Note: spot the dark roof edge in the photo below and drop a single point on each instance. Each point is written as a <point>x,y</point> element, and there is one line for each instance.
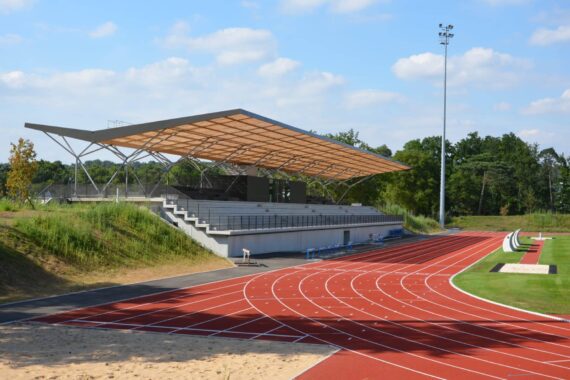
<point>79,134</point>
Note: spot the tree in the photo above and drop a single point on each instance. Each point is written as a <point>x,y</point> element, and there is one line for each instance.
<point>23,166</point>
<point>4,169</point>
<point>369,191</point>
<point>418,189</point>
<point>550,163</point>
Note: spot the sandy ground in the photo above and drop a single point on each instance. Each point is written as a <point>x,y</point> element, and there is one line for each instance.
<point>32,351</point>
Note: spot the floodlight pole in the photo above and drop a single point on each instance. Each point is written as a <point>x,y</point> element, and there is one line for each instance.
<point>444,36</point>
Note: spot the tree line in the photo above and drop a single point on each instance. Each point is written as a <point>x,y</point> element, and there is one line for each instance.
<point>485,176</point>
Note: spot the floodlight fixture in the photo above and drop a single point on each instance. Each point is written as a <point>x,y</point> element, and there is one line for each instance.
<point>444,37</point>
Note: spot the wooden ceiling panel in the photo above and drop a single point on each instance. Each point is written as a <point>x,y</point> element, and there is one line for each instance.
<point>244,138</point>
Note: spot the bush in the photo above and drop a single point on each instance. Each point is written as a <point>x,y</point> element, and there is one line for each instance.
<point>8,205</point>
<point>414,223</point>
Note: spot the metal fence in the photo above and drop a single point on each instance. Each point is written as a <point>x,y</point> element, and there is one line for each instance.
<point>260,222</point>
<point>69,191</point>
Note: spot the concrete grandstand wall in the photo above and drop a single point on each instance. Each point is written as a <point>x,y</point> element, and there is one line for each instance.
<point>229,243</point>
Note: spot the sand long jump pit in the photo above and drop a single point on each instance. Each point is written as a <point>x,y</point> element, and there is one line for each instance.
<point>34,351</point>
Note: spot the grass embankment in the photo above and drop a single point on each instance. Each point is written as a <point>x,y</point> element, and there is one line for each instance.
<point>543,293</point>
<point>545,222</point>
<point>415,223</point>
<point>61,248</point>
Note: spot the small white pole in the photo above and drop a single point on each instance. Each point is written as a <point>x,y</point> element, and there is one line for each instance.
<point>117,196</point>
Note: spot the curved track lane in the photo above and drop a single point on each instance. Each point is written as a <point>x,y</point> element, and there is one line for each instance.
<point>393,313</point>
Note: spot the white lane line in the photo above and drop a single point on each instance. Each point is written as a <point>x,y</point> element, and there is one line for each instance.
<point>461,252</point>
<point>421,331</point>
<point>375,343</point>
<point>269,331</point>
<point>326,341</point>
<point>418,342</point>
<point>379,254</point>
<point>135,327</point>
<point>463,322</point>
<point>193,313</point>
<point>457,320</point>
<point>240,325</point>
<point>297,267</point>
<point>142,304</point>
<point>171,307</point>
<point>493,312</point>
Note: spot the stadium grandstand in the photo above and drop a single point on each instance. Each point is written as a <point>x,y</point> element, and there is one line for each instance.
<point>253,188</point>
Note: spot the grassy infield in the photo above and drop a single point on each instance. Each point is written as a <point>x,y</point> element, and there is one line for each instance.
<point>56,248</point>
<point>545,222</point>
<point>543,293</point>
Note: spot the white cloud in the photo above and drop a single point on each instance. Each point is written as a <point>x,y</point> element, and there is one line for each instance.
<point>419,66</point>
<point>348,6</point>
<point>277,68</point>
<point>10,39</point>
<point>367,98</point>
<point>229,46</point>
<point>482,67</point>
<point>529,132</point>
<point>166,73</point>
<point>104,30</point>
<point>8,6</point>
<point>300,6</point>
<point>551,36</point>
<point>540,136</point>
<point>496,3</point>
<point>168,88</point>
<point>502,106</point>
<point>73,81</point>
<point>550,105</point>
<point>555,17</point>
<point>337,6</point>
<point>317,82</point>
<point>249,4</point>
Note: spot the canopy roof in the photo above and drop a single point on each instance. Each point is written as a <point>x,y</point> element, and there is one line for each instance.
<point>243,138</point>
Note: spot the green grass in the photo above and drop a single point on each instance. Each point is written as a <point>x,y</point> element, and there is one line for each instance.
<point>545,222</point>
<point>91,237</point>
<point>543,293</point>
<point>414,223</point>
<point>60,248</point>
<point>8,205</point>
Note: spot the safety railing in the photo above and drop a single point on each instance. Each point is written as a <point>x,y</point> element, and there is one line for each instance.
<point>260,222</point>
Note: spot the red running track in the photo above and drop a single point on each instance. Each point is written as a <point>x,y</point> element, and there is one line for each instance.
<point>392,313</point>
<point>532,256</point>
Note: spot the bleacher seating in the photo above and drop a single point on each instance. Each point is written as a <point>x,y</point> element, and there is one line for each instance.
<point>231,215</point>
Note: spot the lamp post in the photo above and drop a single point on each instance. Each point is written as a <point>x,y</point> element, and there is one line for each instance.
<point>444,36</point>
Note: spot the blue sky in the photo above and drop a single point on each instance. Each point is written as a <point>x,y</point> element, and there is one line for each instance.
<point>326,65</point>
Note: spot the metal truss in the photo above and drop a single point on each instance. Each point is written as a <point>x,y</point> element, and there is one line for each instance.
<point>330,185</point>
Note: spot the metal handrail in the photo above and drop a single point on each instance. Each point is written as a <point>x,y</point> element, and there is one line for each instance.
<point>259,222</point>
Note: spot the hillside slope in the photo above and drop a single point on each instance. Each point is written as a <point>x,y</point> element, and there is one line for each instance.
<point>61,248</point>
